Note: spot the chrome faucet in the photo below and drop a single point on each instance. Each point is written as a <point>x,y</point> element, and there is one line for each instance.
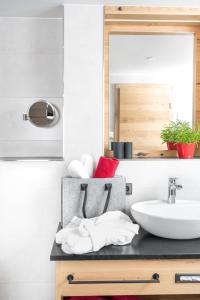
<point>172,187</point>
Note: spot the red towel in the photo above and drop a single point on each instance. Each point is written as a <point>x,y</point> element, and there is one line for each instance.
<point>106,167</point>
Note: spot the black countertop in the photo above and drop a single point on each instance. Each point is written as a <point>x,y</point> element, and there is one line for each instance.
<point>143,246</point>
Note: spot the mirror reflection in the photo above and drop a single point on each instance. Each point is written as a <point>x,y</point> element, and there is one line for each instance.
<point>151,83</point>
<point>43,114</point>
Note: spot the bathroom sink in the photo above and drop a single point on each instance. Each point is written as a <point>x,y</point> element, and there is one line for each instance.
<point>174,221</point>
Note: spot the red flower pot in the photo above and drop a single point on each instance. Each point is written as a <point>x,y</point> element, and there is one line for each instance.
<point>185,150</point>
<point>171,146</point>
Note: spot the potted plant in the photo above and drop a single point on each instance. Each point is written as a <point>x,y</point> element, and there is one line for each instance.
<point>168,134</point>
<point>186,139</point>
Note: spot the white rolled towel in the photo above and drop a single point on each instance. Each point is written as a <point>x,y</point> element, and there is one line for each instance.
<point>77,169</point>
<point>82,168</point>
<point>87,235</point>
<point>88,162</point>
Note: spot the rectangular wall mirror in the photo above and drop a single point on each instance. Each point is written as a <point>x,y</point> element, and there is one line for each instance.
<point>152,76</point>
<point>151,81</point>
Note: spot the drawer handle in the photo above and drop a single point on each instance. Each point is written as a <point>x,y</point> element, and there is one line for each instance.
<point>187,278</point>
<point>155,279</point>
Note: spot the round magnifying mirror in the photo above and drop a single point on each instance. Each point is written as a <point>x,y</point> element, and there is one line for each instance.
<point>43,114</point>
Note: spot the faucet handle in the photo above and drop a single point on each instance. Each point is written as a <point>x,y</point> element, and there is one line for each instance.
<point>179,186</point>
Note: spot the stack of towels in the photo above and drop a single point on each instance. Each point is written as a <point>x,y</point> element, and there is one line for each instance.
<point>87,235</point>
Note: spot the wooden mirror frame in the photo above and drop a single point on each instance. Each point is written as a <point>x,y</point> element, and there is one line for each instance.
<point>151,20</point>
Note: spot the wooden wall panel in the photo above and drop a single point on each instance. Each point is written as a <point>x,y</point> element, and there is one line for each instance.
<point>198,60</point>
<point>197,91</point>
<point>153,13</point>
<point>106,90</point>
<point>144,108</point>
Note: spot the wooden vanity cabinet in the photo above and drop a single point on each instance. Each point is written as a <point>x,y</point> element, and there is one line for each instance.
<point>114,277</point>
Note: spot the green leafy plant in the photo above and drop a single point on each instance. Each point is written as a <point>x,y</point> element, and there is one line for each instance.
<point>169,131</point>
<point>185,134</point>
<point>180,132</point>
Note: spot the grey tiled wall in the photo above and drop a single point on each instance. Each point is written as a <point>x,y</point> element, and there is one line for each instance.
<point>31,68</point>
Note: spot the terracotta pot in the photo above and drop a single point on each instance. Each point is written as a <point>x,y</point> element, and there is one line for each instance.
<point>171,146</point>
<point>185,150</point>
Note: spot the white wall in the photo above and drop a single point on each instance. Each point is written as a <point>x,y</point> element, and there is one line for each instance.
<point>29,215</point>
<point>31,68</point>
<point>29,191</point>
<point>149,177</point>
<point>83,80</point>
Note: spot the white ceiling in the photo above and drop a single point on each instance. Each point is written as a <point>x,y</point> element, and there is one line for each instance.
<point>53,8</point>
<point>129,53</point>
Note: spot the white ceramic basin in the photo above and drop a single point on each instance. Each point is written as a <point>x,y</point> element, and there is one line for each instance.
<point>174,221</point>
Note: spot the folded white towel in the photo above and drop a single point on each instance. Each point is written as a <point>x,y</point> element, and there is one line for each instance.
<point>87,235</point>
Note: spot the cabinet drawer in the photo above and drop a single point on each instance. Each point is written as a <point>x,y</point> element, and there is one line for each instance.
<point>125,277</point>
